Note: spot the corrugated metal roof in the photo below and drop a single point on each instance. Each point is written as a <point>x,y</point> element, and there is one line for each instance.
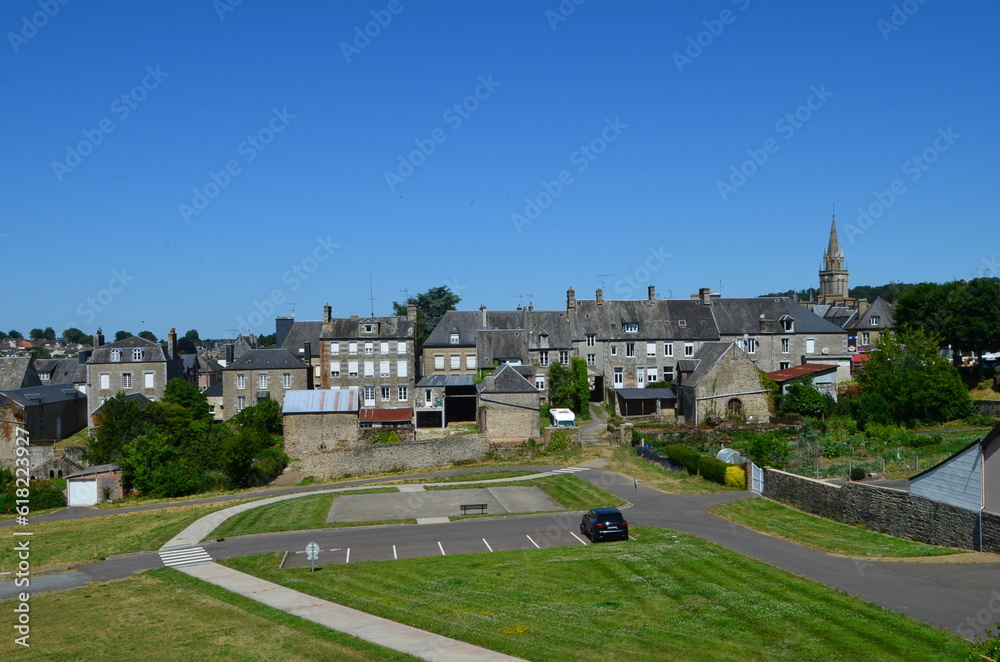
<point>799,371</point>
<point>324,400</point>
<point>387,415</point>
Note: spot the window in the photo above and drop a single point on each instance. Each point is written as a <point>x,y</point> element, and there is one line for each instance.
<point>352,347</point>
<point>619,378</point>
<point>748,345</point>
<point>439,361</point>
<point>335,348</point>
<point>591,359</point>
<point>241,381</point>
<point>401,369</point>
<point>630,349</point>
<point>352,368</point>
<point>591,339</point>
<point>402,393</point>
<point>149,380</point>
<point>369,395</point>
<point>369,368</point>
<point>45,376</point>
<point>286,380</point>
<point>563,356</point>
<point>640,377</point>
<point>369,328</point>
<point>682,324</point>
<point>786,346</point>
<point>116,355</point>
<point>455,361</point>
<point>385,392</point>
<point>651,349</point>
<point>241,402</point>
<point>543,340</point>
<point>262,381</point>
<point>383,368</point>
<point>614,350</point>
<point>630,327</point>
<point>688,349</point>
<point>787,324</point>
<point>105,382</point>
<point>784,365</point>
<point>369,348</point>
<point>810,345</point>
<point>137,354</point>
<point>126,380</point>
<point>651,373</point>
<point>865,338</point>
<point>873,321</point>
<point>335,368</point>
<point>401,347</point>
<point>543,358</point>
<point>470,361</point>
<point>668,349</point>
<point>540,382</point>
<point>384,347</point>
<point>454,339</point>
<point>668,373</point>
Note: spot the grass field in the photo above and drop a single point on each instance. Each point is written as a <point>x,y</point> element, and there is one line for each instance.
<point>666,596</point>
<point>72,542</point>
<point>820,533</point>
<point>165,616</point>
<point>624,461</point>
<point>290,515</point>
<point>566,490</point>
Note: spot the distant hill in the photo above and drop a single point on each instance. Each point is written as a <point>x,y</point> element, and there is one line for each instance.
<point>890,292</point>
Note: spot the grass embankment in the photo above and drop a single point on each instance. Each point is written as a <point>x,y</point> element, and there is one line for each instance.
<point>567,490</point>
<point>668,595</point>
<point>291,515</point>
<point>68,543</point>
<point>474,475</point>
<point>820,533</point>
<point>624,461</point>
<point>163,615</point>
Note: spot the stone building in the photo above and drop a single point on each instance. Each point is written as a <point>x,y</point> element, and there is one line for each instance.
<point>509,406</point>
<point>318,422</point>
<point>18,372</point>
<point>720,382</point>
<point>261,374</point>
<point>302,339</point>
<point>132,365</point>
<point>47,413</point>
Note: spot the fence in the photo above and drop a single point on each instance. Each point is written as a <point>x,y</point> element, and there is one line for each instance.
<point>897,461</point>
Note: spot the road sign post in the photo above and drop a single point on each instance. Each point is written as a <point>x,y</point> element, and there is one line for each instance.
<point>312,553</point>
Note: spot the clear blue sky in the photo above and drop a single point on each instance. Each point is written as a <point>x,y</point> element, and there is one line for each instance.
<point>116,112</point>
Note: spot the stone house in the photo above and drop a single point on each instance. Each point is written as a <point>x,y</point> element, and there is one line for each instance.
<point>720,381</point>
<point>374,355</point>
<point>47,413</point>
<point>18,372</point>
<point>201,370</point>
<point>509,406</point>
<point>132,365</point>
<point>317,423</point>
<point>72,372</point>
<point>303,340</point>
<point>262,374</point>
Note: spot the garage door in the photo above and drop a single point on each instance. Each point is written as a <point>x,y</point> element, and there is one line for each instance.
<point>83,492</point>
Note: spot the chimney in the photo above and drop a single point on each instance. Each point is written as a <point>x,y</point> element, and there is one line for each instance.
<point>705,294</point>
<point>570,299</point>
<point>327,314</point>
<point>172,344</point>
<point>98,339</point>
<point>307,353</point>
<point>230,353</point>
<point>411,312</point>
<point>531,306</point>
<point>600,296</point>
<point>82,356</point>
<point>282,325</point>
<point>652,293</point>
<point>482,317</point>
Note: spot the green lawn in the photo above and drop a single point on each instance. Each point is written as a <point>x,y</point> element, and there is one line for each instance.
<point>290,515</point>
<point>163,616</point>
<point>566,490</point>
<point>820,533</point>
<point>624,461</point>
<point>666,596</point>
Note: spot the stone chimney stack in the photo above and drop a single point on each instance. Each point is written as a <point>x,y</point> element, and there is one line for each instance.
<point>98,338</point>
<point>705,294</point>
<point>531,306</point>
<point>652,293</point>
<point>482,317</point>
<point>411,312</point>
<point>230,353</point>
<point>599,297</point>
<point>327,314</point>
<point>172,344</point>
<point>570,300</point>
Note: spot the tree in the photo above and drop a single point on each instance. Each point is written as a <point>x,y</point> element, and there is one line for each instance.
<point>73,335</point>
<point>147,335</point>
<point>569,386</point>
<point>769,450</point>
<point>15,334</point>
<point>189,343</point>
<point>906,381</point>
<point>118,423</point>
<point>431,307</point>
<point>122,335</point>
<point>803,398</point>
<point>36,334</point>
<point>158,468</point>
<point>267,340</point>
<point>265,415</point>
<point>49,333</point>
<point>3,335</point>
<point>180,392</point>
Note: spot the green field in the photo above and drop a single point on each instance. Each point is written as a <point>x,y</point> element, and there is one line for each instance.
<point>820,533</point>
<point>666,596</point>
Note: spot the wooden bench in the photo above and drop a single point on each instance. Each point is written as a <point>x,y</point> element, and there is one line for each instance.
<point>468,507</point>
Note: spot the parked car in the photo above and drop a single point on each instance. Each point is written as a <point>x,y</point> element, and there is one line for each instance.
<point>603,524</point>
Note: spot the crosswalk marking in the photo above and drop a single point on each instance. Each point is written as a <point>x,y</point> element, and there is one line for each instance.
<point>177,557</point>
<point>570,470</point>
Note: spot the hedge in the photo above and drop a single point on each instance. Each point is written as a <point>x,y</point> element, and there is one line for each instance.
<point>713,470</point>
<point>684,456</point>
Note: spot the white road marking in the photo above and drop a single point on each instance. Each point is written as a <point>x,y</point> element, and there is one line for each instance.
<point>441,548</point>
<point>487,545</point>
<point>532,541</point>
<point>189,556</point>
<point>582,541</point>
<point>348,559</point>
<point>394,553</point>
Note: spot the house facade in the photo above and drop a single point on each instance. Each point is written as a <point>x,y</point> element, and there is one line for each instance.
<point>132,365</point>
<point>261,374</point>
<point>720,382</point>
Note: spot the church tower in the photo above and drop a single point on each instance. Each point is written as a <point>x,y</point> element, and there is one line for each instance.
<point>833,285</point>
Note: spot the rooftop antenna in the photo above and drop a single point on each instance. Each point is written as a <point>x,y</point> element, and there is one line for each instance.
<point>521,298</point>
<point>293,308</point>
<point>233,332</point>
<point>406,295</point>
<point>371,295</point>
<point>602,277</point>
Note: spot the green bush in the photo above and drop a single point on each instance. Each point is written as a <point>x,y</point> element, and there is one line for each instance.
<point>559,441</point>
<point>684,456</point>
<point>736,477</point>
<point>712,469</point>
<point>858,473</point>
<point>832,449</point>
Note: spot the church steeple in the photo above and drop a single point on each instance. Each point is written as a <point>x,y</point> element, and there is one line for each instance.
<point>833,284</point>
<point>834,257</point>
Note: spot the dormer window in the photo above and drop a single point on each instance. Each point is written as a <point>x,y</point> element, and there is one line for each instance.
<point>631,327</point>
<point>454,339</point>
<point>116,355</point>
<point>874,320</point>
<point>137,354</point>
<point>543,340</point>
<point>682,323</point>
<point>787,324</point>
<point>368,328</point>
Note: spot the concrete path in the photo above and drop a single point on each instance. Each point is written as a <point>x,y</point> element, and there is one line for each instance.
<point>390,634</point>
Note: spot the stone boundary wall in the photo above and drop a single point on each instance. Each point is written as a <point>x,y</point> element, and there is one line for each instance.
<point>989,408</point>
<point>380,458</point>
<point>886,510</point>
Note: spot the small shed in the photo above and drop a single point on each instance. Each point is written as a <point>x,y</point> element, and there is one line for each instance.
<point>386,417</point>
<point>94,485</point>
<point>646,401</point>
<point>968,479</point>
<point>822,375</point>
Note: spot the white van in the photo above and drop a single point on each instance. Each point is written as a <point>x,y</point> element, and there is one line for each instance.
<point>563,418</point>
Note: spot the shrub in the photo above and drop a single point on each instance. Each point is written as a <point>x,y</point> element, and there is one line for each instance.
<point>858,473</point>
<point>736,477</point>
<point>712,469</point>
<point>769,450</point>
<point>559,441</point>
<point>387,437</point>
<point>683,456</point>
<point>832,449</point>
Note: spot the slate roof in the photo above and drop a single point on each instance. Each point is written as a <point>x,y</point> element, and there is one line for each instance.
<point>880,308</point>
<point>34,396</point>
<point>62,371</point>
<point>242,345</point>
<point>399,328</point>
<point>266,359</point>
<point>646,393</point>
<point>739,316</point>
<point>553,323</point>
<point>707,356</point>
<point>215,390</point>
<point>500,344</point>
<point>333,400</point>
<point>18,372</point>
<point>466,322</point>
<point>153,351</point>
<point>99,469</point>
<point>659,319</point>
<point>138,397</point>
<point>508,380</point>
<point>438,381</point>
<point>301,333</point>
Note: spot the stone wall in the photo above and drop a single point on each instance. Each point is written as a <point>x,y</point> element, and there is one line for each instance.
<point>890,511</point>
<point>989,408</point>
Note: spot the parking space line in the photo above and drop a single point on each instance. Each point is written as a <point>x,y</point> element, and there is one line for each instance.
<point>487,545</point>
<point>348,559</point>
<point>532,541</point>
<point>582,541</point>
<point>441,548</point>
<point>394,553</point>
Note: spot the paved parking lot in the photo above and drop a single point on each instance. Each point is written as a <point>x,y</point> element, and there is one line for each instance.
<point>416,503</point>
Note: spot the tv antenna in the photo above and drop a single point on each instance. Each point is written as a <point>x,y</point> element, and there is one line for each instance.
<point>293,308</point>
<point>521,298</point>
<point>406,295</point>
<point>602,277</point>
<point>371,295</point>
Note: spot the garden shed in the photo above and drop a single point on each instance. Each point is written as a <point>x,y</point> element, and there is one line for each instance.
<point>968,479</point>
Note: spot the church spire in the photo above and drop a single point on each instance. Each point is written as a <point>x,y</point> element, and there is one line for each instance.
<point>833,284</point>
<point>833,260</point>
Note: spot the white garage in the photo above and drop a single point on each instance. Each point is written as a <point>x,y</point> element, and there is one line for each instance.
<point>91,486</point>
<point>81,492</point>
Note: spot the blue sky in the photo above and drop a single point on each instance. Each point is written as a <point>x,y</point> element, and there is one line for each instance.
<point>189,163</point>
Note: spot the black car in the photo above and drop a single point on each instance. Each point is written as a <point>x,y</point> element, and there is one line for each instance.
<point>603,524</point>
